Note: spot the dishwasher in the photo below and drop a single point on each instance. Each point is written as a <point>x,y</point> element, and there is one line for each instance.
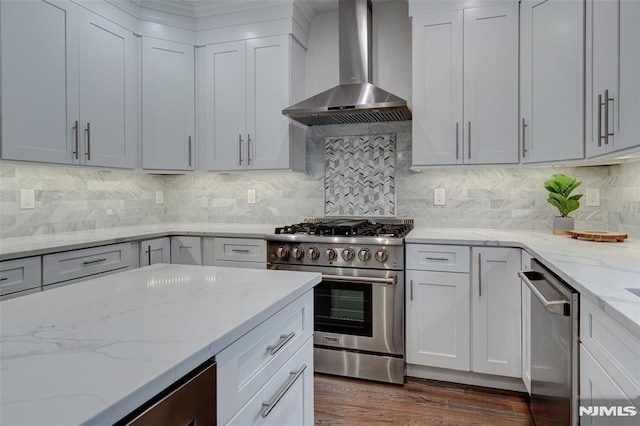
<point>554,347</point>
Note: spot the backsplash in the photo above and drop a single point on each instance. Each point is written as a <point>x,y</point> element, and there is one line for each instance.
<point>69,199</point>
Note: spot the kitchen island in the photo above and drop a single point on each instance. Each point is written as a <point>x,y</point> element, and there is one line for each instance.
<point>95,352</point>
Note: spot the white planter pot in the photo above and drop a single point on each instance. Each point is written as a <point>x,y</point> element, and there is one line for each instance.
<point>562,225</point>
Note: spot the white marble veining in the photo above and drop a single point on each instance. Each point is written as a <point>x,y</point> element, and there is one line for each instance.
<point>601,272</point>
<point>13,248</point>
<point>95,352</point>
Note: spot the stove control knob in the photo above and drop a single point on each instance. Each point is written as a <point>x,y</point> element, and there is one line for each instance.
<point>282,252</point>
<point>382,255</point>
<point>348,254</point>
<point>330,255</point>
<point>364,255</point>
<point>313,253</point>
<point>297,253</point>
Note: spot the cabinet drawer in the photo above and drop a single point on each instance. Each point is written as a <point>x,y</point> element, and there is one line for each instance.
<point>20,275</point>
<point>617,350</point>
<point>240,249</point>
<point>428,257</point>
<point>289,394</point>
<point>74,264</point>
<point>250,362</point>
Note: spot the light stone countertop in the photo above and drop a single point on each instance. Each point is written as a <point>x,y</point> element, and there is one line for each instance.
<point>94,352</point>
<point>601,272</point>
<point>18,247</point>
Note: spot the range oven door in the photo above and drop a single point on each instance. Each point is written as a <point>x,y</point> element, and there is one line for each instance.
<point>356,309</point>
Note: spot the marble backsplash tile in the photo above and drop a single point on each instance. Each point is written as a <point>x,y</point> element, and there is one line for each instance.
<point>70,199</point>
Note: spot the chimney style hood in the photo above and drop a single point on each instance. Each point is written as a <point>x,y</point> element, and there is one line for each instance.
<point>355,100</point>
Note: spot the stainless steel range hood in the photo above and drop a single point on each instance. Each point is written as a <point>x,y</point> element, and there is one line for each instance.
<point>355,100</point>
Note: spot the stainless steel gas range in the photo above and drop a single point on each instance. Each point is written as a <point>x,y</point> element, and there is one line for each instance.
<point>359,305</point>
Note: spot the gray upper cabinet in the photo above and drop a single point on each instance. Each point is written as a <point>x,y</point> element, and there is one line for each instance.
<point>168,105</point>
<point>613,67</point>
<point>465,81</point>
<point>69,86</point>
<point>552,80</point>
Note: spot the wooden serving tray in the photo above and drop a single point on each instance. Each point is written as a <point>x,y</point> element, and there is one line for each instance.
<point>599,236</point>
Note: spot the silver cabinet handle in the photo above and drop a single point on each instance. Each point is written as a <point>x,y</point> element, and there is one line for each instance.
<point>4,278</point>
<point>284,339</point>
<point>248,149</point>
<point>90,262</point>
<point>149,255</point>
<point>240,149</point>
<point>75,139</point>
<point>441,259</point>
<point>479,274</point>
<point>469,140</point>
<point>607,99</point>
<point>524,132</point>
<point>189,151</point>
<point>88,132</point>
<point>268,406</point>
<point>559,307</point>
<point>457,139</point>
<point>391,281</point>
<point>241,251</point>
<point>411,288</point>
<point>600,105</point>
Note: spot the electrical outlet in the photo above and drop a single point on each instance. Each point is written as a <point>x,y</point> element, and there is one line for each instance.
<point>592,197</point>
<point>439,197</point>
<point>159,197</point>
<point>251,196</point>
<point>27,199</point>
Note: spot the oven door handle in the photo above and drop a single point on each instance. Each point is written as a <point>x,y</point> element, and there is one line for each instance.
<point>558,307</point>
<point>391,281</point>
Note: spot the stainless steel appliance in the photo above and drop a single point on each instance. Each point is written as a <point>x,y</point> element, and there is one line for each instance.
<point>554,348</point>
<point>359,305</point>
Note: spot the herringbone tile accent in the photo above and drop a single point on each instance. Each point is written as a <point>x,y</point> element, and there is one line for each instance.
<point>359,175</point>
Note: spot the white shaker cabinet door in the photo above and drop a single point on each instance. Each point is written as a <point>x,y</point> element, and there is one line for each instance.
<point>168,105</point>
<point>267,95</point>
<point>39,80</point>
<point>437,86</point>
<point>491,85</point>
<point>225,106</point>
<point>497,311</point>
<point>108,92</point>
<point>552,80</point>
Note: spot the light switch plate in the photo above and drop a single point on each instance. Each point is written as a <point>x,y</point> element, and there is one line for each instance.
<point>27,199</point>
<point>592,197</point>
<point>251,196</point>
<point>439,197</point>
<point>159,197</point>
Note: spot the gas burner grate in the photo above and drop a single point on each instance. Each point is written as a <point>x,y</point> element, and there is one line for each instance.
<point>350,227</point>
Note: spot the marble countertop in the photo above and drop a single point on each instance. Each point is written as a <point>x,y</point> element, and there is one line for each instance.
<point>17,247</point>
<point>601,272</point>
<point>95,352</point>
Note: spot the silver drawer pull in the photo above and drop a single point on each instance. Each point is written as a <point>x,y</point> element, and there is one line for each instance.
<point>268,406</point>
<point>441,259</point>
<point>4,278</point>
<point>90,262</point>
<point>284,339</point>
<point>241,250</point>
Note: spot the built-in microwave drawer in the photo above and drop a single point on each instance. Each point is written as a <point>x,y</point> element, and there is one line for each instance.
<point>240,249</point>
<point>250,362</point>
<point>431,257</point>
<point>20,275</point>
<point>70,265</point>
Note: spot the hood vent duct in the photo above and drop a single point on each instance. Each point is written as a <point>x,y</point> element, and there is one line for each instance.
<point>355,100</point>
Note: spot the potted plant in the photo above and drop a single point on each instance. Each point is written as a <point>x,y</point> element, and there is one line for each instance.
<point>559,187</point>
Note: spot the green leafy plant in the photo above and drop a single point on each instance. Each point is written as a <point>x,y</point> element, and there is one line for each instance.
<point>559,187</point>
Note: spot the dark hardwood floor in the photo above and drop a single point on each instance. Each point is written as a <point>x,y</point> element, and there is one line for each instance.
<point>342,401</point>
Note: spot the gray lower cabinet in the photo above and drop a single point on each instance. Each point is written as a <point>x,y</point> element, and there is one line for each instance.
<point>69,266</point>
<point>157,250</point>
<point>186,250</point>
<point>19,277</point>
